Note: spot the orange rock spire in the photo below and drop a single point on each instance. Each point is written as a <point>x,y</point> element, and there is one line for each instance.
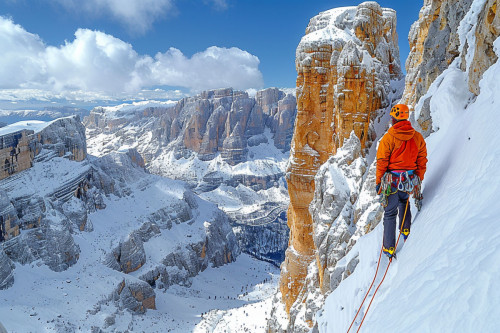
<point>345,64</point>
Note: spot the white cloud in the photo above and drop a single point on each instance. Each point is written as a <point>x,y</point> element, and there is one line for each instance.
<point>18,96</point>
<point>137,15</point>
<point>95,62</point>
<point>20,55</point>
<point>214,67</point>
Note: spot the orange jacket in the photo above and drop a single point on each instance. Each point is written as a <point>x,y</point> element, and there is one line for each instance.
<point>401,148</point>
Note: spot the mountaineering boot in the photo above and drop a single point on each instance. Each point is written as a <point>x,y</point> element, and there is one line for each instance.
<point>405,233</point>
<point>390,252</point>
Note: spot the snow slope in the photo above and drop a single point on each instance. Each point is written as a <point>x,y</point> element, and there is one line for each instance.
<point>43,300</point>
<point>77,297</point>
<point>446,276</point>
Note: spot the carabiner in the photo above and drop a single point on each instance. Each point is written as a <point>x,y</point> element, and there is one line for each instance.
<point>401,186</point>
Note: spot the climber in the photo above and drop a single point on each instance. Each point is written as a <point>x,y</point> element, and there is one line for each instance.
<point>401,165</point>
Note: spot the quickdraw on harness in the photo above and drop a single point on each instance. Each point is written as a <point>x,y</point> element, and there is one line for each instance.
<point>404,181</point>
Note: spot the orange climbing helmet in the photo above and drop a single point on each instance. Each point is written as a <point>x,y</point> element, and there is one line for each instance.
<point>400,112</point>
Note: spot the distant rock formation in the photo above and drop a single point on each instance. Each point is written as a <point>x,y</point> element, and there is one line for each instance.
<point>345,64</point>
<point>6,271</point>
<point>65,135</point>
<point>35,223</point>
<point>224,143</point>
<point>20,143</point>
<point>136,296</point>
<point>66,188</point>
<point>216,121</point>
<point>214,245</point>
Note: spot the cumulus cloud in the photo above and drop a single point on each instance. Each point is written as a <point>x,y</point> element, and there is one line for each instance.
<point>20,53</point>
<point>214,67</point>
<point>136,15</point>
<point>98,62</point>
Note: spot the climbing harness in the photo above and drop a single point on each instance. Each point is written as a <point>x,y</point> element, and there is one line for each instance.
<point>404,181</point>
<point>375,277</point>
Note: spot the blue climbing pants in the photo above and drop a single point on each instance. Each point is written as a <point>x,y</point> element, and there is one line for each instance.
<point>396,202</point>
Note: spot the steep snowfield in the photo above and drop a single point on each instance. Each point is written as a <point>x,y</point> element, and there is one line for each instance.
<point>446,276</point>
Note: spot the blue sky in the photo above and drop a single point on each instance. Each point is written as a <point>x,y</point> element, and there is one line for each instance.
<point>260,35</point>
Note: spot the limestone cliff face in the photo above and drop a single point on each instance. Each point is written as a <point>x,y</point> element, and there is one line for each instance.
<point>20,143</point>
<point>345,63</point>
<point>65,135</point>
<point>215,121</point>
<point>448,31</point>
<point>486,32</point>
<point>434,43</point>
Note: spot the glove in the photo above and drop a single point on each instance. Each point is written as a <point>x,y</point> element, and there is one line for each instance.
<point>377,188</point>
<point>418,204</point>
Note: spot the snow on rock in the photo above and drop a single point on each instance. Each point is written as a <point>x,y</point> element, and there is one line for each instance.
<point>101,232</point>
<point>338,184</point>
<point>6,271</point>
<point>136,296</point>
<point>449,31</point>
<point>453,249</point>
<point>346,63</point>
<point>210,241</point>
<point>231,148</point>
<point>65,135</point>
<point>434,42</point>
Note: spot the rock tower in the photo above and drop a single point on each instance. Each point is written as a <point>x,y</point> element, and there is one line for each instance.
<point>345,63</point>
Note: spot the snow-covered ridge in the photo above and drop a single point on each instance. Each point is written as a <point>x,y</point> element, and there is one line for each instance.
<point>128,109</point>
<point>31,125</point>
<point>46,114</point>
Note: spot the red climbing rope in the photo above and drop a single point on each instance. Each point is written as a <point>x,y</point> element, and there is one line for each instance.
<point>376,272</point>
<point>386,270</point>
<point>373,282</point>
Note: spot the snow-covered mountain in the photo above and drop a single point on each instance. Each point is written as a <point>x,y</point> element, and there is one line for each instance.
<point>107,242</point>
<point>43,114</point>
<point>444,278</point>
<point>88,242</point>
<point>231,149</point>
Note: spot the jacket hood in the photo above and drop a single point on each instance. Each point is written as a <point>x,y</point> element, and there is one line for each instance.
<point>402,130</point>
